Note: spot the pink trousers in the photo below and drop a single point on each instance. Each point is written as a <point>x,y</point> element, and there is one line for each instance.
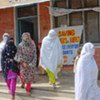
<point>11,83</point>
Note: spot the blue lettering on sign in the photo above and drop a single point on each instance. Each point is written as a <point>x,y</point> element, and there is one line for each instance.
<point>68,52</point>
<point>70,46</point>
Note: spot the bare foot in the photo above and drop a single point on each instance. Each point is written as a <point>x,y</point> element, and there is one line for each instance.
<point>28,93</point>
<point>13,98</point>
<point>50,83</point>
<point>54,86</point>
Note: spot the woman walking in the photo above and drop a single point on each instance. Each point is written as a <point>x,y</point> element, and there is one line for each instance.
<point>86,75</point>
<point>26,57</point>
<point>9,66</point>
<point>2,46</point>
<point>51,56</point>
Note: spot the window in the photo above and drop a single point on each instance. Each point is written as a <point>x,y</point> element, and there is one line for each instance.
<point>75,19</point>
<point>91,18</point>
<point>91,26</point>
<point>91,22</point>
<point>27,11</point>
<point>91,3</point>
<point>62,20</point>
<point>58,21</point>
<point>75,4</point>
<point>60,3</point>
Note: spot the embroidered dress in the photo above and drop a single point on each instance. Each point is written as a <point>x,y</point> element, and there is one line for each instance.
<point>27,53</point>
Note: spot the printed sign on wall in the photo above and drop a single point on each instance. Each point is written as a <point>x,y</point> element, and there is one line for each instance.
<point>70,38</point>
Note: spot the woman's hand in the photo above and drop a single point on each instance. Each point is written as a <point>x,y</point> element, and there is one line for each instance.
<point>25,65</point>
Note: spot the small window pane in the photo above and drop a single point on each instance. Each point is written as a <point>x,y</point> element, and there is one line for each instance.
<point>90,3</point>
<point>62,20</point>
<point>60,3</point>
<point>75,19</point>
<point>58,21</point>
<point>75,4</point>
<point>92,26</point>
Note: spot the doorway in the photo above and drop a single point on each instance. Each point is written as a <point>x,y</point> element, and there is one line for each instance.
<point>27,21</point>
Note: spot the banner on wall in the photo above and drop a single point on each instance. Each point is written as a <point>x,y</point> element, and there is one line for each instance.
<point>70,38</point>
<point>56,11</point>
<point>13,3</point>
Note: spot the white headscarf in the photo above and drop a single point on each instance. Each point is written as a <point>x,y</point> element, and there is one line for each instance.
<point>51,51</point>
<point>86,75</point>
<point>2,45</point>
<point>88,49</point>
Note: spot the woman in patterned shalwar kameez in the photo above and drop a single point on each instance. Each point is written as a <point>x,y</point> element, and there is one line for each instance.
<point>26,56</point>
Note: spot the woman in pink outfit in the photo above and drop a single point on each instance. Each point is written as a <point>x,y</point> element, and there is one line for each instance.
<point>9,66</point>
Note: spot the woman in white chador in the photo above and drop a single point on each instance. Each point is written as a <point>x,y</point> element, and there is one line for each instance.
<point>86,75</point>
<point>51,56</point>
<point>2,45</point>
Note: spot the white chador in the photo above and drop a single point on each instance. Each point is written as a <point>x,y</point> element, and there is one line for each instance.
<point>2,45</point>
<point>51,52</point>
<point>86,75</point>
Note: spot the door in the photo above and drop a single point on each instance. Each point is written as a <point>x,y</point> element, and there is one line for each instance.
<point>27,21</point>
<point>28,25</point>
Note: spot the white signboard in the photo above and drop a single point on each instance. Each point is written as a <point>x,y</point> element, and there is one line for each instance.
<point>70,38</point>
